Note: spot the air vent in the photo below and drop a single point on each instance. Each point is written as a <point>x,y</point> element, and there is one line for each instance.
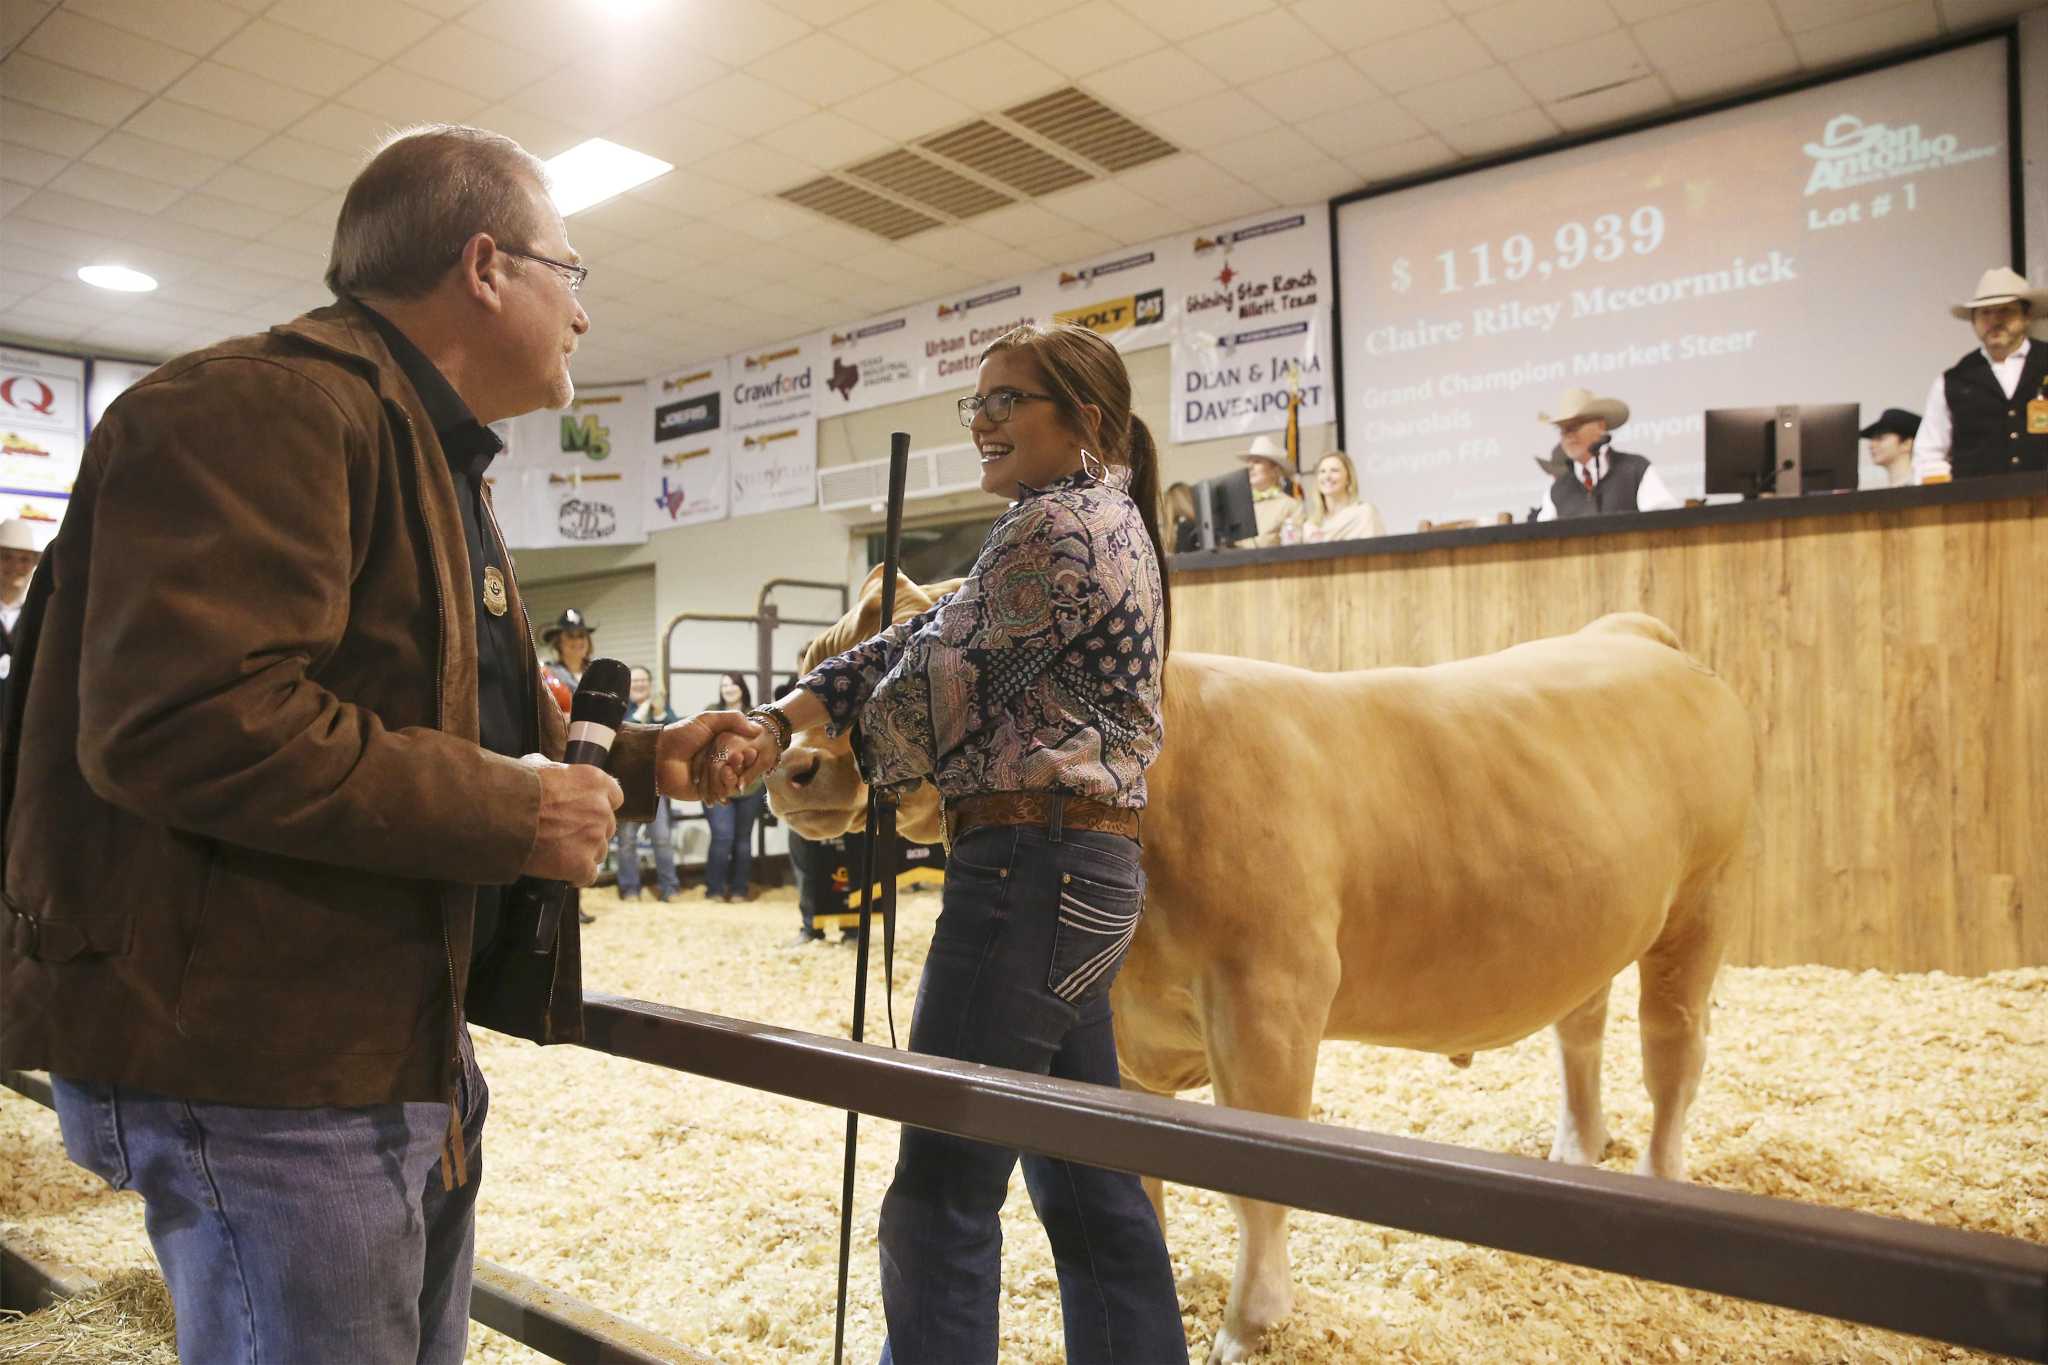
<point>906,173</point>
<point>1000,155</point>
<point>856,207</point>
<point>1086,126</point>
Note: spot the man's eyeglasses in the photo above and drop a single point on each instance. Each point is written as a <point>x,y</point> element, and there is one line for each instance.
<point>997,403</point>
<point>574,274</point>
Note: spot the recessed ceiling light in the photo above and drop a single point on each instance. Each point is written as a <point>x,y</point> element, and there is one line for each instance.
<point>592,172</point>
<point>117,277</point>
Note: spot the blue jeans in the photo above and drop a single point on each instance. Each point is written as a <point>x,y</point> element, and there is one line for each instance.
<point>628,855</point>
<point>306,1236</point>
<point>1033,927</point>
<point>731,863</point>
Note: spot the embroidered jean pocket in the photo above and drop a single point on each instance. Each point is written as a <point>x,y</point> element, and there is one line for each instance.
<point>1096,923</point>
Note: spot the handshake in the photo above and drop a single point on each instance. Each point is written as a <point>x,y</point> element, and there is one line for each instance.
<point>711,757</point>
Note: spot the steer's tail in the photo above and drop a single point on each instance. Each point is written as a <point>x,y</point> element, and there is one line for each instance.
<point>1636,623</point>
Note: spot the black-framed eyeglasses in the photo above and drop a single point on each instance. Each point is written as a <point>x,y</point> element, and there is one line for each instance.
<point>997,403</point>
<point>574,274</point>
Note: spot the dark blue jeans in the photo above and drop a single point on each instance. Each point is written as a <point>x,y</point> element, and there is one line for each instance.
<point>315,1236</point>
<point>731,863</point>
<point>1033,928</point>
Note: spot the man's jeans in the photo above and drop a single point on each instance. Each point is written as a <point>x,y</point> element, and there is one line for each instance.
<point>628,855</point>
<point>295,1236</point>
<point>1033,928</point>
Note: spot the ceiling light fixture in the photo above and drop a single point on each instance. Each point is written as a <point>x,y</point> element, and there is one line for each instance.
<point>594,171</point>
<point>118,277</point>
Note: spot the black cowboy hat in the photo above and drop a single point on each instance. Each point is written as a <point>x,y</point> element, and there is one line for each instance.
<point>571,619</point>
<point>1897,421</point>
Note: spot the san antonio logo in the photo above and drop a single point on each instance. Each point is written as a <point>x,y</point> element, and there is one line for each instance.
<point>1851,153</point>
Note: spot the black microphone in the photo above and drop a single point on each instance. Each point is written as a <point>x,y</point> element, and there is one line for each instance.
<point>594,720</point>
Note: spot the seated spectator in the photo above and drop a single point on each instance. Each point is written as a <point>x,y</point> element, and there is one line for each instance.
<point>1333,510</point>
<point>1891,445</point>
<point>1598,480</point>
<point>647,709</point>
<point>1273,496</point>
<point>728,869</point>
<point>1183,518</point>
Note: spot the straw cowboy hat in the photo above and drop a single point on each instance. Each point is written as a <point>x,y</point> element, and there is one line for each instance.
<point>2002,284</point>
<point>16,534</point>
<point>1265,448</point>
<point>1578,403</point>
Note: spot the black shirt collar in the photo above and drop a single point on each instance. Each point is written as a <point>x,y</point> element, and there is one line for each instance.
<point>468,443</point>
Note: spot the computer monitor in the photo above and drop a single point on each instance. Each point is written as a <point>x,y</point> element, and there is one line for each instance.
<point>1224,506</point>
<point>1787,450</point>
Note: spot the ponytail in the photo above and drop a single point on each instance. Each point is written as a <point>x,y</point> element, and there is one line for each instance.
<point>1144,460</point>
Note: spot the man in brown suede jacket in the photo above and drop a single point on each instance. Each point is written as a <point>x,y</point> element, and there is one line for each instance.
<point>264,785</point>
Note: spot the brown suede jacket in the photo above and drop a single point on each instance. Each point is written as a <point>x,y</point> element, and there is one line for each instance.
<point>246,807</point>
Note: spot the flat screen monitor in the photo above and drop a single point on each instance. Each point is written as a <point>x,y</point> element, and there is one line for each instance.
<point>1787,450</point>
<point>1224,505</point>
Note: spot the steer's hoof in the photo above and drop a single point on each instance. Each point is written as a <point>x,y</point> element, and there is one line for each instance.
<point>1230,1348</point>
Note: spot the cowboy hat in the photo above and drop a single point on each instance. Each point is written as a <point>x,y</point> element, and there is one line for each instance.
<point>1265,448</point>
<point>1580,403</point>
<point>16,534</point>
<point>1999,285</point>
<point>570,619</point>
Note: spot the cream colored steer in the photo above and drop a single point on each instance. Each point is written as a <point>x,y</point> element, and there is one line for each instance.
<point>1448,859</point>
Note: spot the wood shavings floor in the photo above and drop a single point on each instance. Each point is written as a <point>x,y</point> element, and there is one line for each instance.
<point>709,1212</point>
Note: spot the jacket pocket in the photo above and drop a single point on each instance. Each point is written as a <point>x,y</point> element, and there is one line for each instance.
<point>304,959</point>
<point>1096,923</point>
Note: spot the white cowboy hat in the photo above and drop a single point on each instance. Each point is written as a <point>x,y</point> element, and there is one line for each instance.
<point>1266,448</point>
<point>16,534</point>
<point>2001,284</point>
<point>1578,403</point>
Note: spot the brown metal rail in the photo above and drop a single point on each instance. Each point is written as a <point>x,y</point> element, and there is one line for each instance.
<point>1969,1288</point>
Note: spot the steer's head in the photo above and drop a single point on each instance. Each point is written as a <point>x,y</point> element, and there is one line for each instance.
<point>818,790</point>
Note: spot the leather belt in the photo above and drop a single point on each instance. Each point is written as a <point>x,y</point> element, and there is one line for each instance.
<point>1048,809</point>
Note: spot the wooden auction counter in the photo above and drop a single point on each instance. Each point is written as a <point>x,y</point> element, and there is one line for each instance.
<point>1892,646</point>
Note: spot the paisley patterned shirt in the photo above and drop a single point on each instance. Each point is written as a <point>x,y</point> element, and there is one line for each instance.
<point>1040,674</point>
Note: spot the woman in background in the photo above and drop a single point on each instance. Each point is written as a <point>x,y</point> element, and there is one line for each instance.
<point>647,709</point>
<point>1333,510</point>
<point>730,866</point>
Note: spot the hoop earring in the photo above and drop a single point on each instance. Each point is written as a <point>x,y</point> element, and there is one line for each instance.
<point>1099,471</point>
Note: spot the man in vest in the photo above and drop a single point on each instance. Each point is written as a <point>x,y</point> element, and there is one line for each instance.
<point>1592,478</point>
<point>1988,413</point>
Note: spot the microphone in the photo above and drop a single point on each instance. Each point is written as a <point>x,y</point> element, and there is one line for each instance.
<point>594,720</point>
<point>1602,444</point>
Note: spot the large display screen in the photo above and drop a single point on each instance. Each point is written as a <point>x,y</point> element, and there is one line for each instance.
<point>1799,249</point>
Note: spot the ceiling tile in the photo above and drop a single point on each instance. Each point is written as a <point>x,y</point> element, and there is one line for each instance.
<point>825,139</point>
<point>475,62</point>
<point>312,232</point>
<point>631,218</point>
<point>239,95</point>
<point>1423,57</point>
<point>820,12</point>
<point>87,45</point>
<point>756,169</point>
<point>118,188</point>
<point>247,185</point>
<point>743,104</point>
<point>53,133</point>
<point>1675,41</point>
<point>656,260</point>
<point>1096,200</point>
<point>194,26</point>
<point>18,19</point>
<point>294,57</point>
<point>1403,158</point>
<point>1521,27</point>
<point>1020,224</point>
<point>1963,15</point>
<point>382,28</point>
<point>768,220</point>
<point>1452,103</point>
<point>1211,121</point>
<point>195,129</point>
<point>908,34</point>
<point>1074,244</point>
<point>64,91</point>
<point>545,27</point>
<point>1279,150</point>
<point>692,194</point>
<point>1632,99</point>
<point>1186,183</point>
<point>1006,16</point>
<point>224,215</point>
<point>1635,11</point>
<point>27,166</point>
<point>1836,43</point>
<point>1349,132</point>
<point>1516,128</point>
<point>1727,72</point>
<point>1079,41</point>
<point>341,129</point>
<point>736,32</point>
<point>305,161</point>
<point>1259,49</point>
<point>904,110</point>
<point>1349,24</point>
<point>1606,60</point>
<point>402,97</point>
<point>124,151</point>
<point>1310,184</point>
<point>447,9</point>
<point>1317,88</point>
<point>672,135</point>
<point>537,133</point>
<point>1164,79</point>
<point>821,69</point>
<point>998,74</point>
<point>1178,20</point>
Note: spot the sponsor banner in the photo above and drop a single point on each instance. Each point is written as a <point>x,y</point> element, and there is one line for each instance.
<point>1254,303</point>
<point>1125,296</point>
<point>870,364</point>
<point>689,478</point>
<point>957,329</point>
<point>110,379</point>
<point>42,433</point>
<point>585,468</point>
<point>772,384</point>
<point>775,466</point>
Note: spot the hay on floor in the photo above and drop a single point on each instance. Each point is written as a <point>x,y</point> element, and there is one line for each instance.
<point>125,1320</point>
<point>709,1212</point>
